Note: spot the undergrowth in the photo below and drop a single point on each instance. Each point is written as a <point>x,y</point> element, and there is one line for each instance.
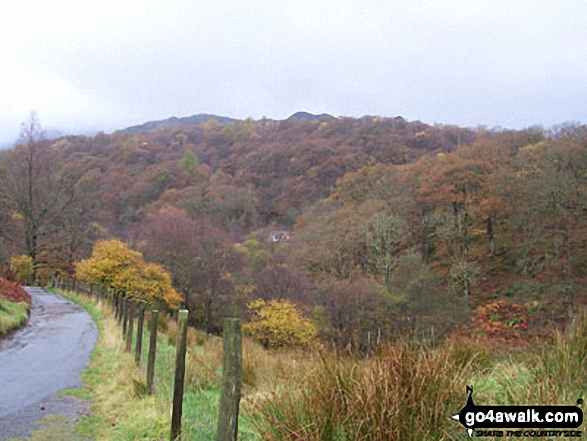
<point>408,391</point>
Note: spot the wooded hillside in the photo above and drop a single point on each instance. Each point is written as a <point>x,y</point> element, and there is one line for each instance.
<point>393,226</point>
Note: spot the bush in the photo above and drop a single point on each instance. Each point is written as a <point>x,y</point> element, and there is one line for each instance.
<point>13,292</point>
<point>279,324</point>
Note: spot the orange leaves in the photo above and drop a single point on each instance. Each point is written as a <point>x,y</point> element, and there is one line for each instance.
<point>501,319</point>
<point>13,292</point>
<point>454,179</point>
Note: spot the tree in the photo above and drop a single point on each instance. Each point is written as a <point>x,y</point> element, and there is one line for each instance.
<point>279,324</point>
<point>280,281</point>
<point>423,308</point>
<point>40,190</point>
<point>25,176</point>
<point>463,276</point>
<point>22,266</point>
<point>115,266</point>
<point>167,237</point>
<point>355,308</point>
<point>200,257</point>
<point>383,237</point>
<point>189,166</point>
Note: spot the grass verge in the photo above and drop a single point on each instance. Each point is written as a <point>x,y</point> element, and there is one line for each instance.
<point>122,410</point>
<point>12,315</point>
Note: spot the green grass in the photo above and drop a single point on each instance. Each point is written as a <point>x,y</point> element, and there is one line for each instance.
<point>12,315</point>
<point>121,409</point>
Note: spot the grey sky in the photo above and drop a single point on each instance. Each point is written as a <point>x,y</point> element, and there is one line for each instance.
<point>102,65</point>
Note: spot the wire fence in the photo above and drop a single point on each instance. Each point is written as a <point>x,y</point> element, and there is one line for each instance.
<point>134,316</point>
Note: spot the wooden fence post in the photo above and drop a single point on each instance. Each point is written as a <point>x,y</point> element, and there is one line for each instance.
<point>230,392</point>
<point>140,321</point>
<point>124,315</point>
<point>152,351</point>
<point>120,302</point>
<point>180,350</point>
<point>130,325</point>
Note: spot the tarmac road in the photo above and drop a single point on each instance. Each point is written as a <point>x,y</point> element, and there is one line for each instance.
<point>42,358</point>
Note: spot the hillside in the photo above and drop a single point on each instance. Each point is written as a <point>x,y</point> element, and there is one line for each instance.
<point>413,228</point>
<point>193,120</point>
<point>202,118</point>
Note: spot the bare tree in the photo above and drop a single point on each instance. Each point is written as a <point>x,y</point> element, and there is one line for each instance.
<point>36,189</point>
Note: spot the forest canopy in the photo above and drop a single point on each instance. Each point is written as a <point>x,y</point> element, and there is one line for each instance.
<point>389,227</point>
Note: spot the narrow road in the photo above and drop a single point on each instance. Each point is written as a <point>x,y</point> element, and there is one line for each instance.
<point>44,357</point>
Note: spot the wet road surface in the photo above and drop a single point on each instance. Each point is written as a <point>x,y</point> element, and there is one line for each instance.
<point>44,357</point>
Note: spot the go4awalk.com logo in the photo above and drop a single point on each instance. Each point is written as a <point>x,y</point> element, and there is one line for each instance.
<point>520,421</point>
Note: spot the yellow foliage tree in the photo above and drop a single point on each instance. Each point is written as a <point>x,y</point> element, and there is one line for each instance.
<point>115,266</point>
<point>23,268</point>
<point>279,324</point>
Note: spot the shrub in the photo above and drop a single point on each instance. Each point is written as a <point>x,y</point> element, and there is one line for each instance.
<point>13,292</point>
<point>279,324</point>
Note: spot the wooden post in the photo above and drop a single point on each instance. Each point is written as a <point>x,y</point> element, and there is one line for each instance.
<point>140,321</point>
<point>130,325</point>
<point>120,303</point>
<point>152,351</point>
<point>124,315</point>
<point>180,350</point>
<point>116,303</point>
<point>230,393</point>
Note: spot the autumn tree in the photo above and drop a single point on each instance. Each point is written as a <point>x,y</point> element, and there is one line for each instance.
<point>329,241</point>
<point>167,237</point>
<point>281,280</point>
<point>354,308</point>
<point>23,175</point>
<point>201,258</point>
<point>420,306</point>
<point>113,265</point>
<point>383,235</point>
<point>279,324</point>
<point>189,166</point>
<point>552,182</point>
<point>46,198</point>
<point>40,193</point>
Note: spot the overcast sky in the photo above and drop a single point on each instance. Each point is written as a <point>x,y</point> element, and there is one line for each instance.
<point>103,65</point>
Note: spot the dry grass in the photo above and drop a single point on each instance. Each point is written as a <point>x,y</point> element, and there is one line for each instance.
<point>406,392</point>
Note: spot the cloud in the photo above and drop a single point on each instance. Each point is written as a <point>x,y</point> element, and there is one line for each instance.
<point>117,63</point>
